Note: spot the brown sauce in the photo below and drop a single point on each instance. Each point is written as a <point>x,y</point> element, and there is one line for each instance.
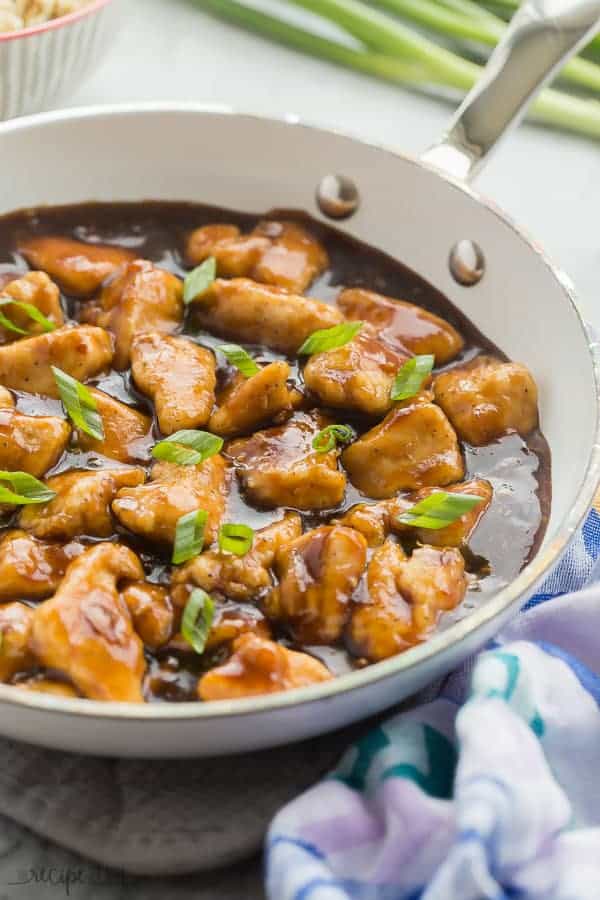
<point>518,469</point>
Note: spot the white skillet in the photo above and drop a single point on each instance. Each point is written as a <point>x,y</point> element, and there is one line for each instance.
<point>416,211</point>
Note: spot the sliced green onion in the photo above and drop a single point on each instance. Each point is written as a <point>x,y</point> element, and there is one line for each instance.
<point>326,439</point>
<point>411,377</point>
<point>199,280</point>
<point>197,619</point>
<point>238,357</point>
<point>330,338</point>
<point>79,404</point>
<point>439,510</point>
<point>188,447</point>
<point>189,536</point>
<point>236,539</point>
<point>28,308</point>
<point>25,489</point>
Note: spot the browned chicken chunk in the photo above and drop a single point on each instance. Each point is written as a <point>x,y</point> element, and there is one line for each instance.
<point>403,324</point>
<point>279,253</point>
<point>85,630</point>
<point>413,447</point>
<point>377,520</point>
<point>80,352</point>
<point>241,577</point>
<point>40,685</point>
<point>248,403</point>
<point>15,634</point>
<point>318,573</point>
<point>151,612</point>
<point>231,619</point>
<point>140,297</point>
<point>78,268</point>
<point>487,399</point>
<point>31,569</point>
<point>153,509</point>
<point>243,310</point>
<point>81,505</point>
<point>127,432</point>
<point>279,467</point>
<point>358,376</point>
<point>30,444</point>
<point>260,666</point>
<point>406,598</point>
<point>36,289</point>
<point>178,375</point>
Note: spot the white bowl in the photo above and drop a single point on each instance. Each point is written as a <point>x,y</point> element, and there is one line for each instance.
<point>40,63</point>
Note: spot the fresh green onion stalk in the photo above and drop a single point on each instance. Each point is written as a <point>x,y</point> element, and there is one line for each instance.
<point>388,48</point>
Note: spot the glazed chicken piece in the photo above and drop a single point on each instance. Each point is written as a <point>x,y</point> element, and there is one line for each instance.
<point>140,297</point>
<point>358,376</point>
<point>279,253</point>
<point>152,510</point>
<point>78,268</point>
<point>318,573</point>
<point>81,506</point>
<point>81,352</point>
<point>85,630</point>
<point>151,612</point>
<point>15,644</point>
<point>31,569</point>
<point>36,289</point>
<point>248,403</point>
<point>406,598</point>
<point>377,520</point>
<point>179,377</point>
<point>240,577</point>
<point>30,444</point>
<point>487,399</point>
<point>245,311</point>
<point>40,685</point>
<point>260,666</point>
<point>414,447</point>
<point>278,467</point>
<point>402,324</point>
<point>127,432</point>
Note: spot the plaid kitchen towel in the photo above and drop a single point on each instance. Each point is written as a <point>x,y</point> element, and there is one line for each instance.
<point>492,790</point>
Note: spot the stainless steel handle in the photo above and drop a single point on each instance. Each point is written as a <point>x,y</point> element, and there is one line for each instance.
<point>542,35</point>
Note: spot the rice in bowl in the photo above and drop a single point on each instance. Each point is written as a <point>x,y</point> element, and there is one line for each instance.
<point>18,14</point>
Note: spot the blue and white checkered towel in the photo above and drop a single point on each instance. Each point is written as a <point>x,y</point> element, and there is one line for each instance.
<point>490,791</point>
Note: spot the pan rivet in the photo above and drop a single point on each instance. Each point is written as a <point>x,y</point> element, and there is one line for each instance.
<point>337,196</point>
<point>467,263</point>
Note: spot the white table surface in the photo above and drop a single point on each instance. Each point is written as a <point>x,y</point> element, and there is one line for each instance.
<point>169,50</point>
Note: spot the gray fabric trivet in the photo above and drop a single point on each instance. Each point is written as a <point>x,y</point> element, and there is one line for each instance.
<point>159,818</point>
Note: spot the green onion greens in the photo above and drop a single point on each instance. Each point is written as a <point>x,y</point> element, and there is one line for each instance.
<point>239,358</point>
<point>189,536</point>
<point>419,44</point>
<point>197,619</point>
<point>411,377</point>
<point>79,404</point>
<point>25,489</point>
<point>330,338</point>
<point>237,539</point>
<point>199,280</point>
<point>327,439</point>
<point>30,310</point>
<point>188,447</point>
<point>439,510</point>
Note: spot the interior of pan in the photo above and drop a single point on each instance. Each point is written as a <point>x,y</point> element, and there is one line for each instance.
<point>246,163</point>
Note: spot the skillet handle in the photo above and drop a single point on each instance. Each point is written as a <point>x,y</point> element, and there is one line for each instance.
<point>541,37</point>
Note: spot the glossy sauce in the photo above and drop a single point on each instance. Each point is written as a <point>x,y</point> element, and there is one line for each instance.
<point>509,533</point>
